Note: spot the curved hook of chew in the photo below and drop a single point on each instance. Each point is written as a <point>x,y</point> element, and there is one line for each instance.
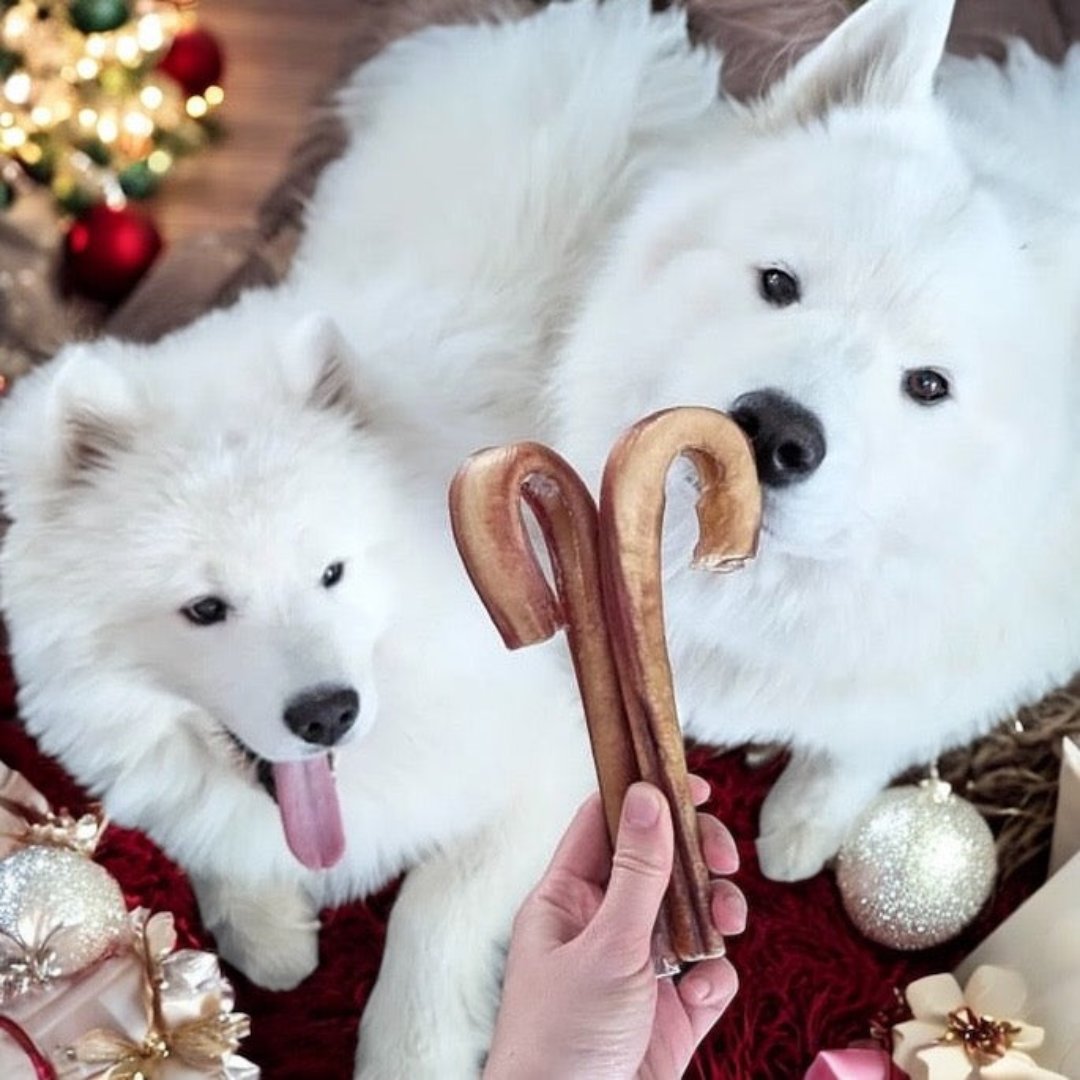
<point>492,537</point>
<point>632,503</point>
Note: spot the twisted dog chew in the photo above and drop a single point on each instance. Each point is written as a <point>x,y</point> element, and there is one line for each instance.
<point>490,532</point>
<point>632,500</point>
<point>606,568</point>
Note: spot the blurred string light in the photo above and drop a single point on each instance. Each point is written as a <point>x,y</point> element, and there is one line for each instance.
<point>99,98</point>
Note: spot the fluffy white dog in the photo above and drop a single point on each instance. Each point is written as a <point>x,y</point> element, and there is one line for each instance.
<point>550,228</point>
<point>876,275</point>
<point>231,620</point>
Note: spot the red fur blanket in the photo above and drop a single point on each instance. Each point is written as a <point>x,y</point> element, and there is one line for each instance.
<point>808,980</point>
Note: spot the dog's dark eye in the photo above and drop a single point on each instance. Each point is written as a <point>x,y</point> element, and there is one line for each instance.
<point>927,386</point>
<point>206,611</point>
<point>333,574</point>
<point>778,287</point>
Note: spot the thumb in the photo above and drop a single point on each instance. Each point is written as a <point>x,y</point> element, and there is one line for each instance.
<point>640,871</point>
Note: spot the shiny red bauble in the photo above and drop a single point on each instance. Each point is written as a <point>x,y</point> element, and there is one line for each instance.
<point>108,250</point>
<point>194,60</point>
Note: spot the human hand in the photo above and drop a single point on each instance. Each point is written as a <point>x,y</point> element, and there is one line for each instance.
<point>581,998</point>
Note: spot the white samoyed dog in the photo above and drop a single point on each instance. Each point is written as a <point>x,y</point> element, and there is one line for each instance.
<point>549,228</point>
<point>875,268</point>
<point>231,620</point>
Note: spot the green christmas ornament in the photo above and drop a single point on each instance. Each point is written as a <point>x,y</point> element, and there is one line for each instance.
<point>98,16</point>
<point>73,199</point>
<point>139,181</point>
<point>9,61</point>
<point>96,151</point>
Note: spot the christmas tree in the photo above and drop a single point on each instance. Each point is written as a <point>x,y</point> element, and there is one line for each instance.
<point>98,99</point>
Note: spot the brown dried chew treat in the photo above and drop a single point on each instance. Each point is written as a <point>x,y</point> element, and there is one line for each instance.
<point>491,535</point>
<point>632,503</point>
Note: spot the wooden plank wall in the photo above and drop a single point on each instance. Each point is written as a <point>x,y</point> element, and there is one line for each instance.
<point>280,56</point>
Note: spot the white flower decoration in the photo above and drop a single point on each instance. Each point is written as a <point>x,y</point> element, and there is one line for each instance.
<point>970,1033</point>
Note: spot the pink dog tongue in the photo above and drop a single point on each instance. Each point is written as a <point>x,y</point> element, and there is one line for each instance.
<point>307,798</point>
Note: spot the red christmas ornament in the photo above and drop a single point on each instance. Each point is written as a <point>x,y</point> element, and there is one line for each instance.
<point>107,251</point>
<point>194,60</point>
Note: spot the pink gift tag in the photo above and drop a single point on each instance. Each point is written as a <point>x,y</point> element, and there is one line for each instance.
<point>851,1065</point>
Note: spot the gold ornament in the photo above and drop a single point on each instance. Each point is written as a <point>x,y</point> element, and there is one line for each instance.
<point>918,866</point>
<point>59,913</point>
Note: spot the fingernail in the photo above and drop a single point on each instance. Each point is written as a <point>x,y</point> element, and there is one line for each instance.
<point>735,912</point>
<point>696,989</point>
<point>642,807</point>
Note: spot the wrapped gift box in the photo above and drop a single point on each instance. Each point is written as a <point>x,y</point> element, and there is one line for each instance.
<point>1041,939</point>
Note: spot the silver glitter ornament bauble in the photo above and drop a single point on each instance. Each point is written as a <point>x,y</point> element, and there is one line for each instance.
<point>59,912</point>
<point>917,867</point>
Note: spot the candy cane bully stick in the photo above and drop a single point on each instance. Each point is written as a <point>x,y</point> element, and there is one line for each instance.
<point>491,535</point>
<point>632,503</point>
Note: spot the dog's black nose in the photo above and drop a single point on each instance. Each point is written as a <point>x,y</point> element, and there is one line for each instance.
<point>788,440</point>
<point>323,715</point>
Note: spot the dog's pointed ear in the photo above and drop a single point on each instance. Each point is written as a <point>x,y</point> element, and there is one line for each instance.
<point>885,54</point>
<point>92,414</point>
<point>318,369</point>
<point>63,423</point>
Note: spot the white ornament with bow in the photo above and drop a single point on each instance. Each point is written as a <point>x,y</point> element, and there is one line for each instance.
<point>978,1032</point>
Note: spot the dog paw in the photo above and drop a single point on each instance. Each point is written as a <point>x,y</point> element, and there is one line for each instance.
<point>270,933</point>
<point>278,958</point>
<point>397,1043</point>
<point>809,812</point>
<point>798,852</point>
<point>446,1065</point>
